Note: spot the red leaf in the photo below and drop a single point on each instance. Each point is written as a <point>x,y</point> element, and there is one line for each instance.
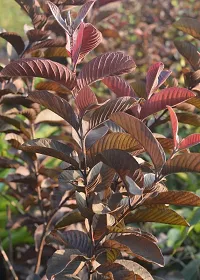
<point>85,99</point>
<point>15,40</point>
<point>108,64</point>
<point>82,14</point>
<point>39,67</point>
<point>119,86</point>
<point>152,77</point>
<point>189,141</point>
<point>77,46</point>
<point>91,39</point>
<point>174,123</point>
<point>168,96</point>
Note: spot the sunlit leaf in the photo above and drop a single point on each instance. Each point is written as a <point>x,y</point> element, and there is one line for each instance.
<point>189,26</point>
<point>39,67</point>
<point>108,64</point>
<point>85,99</point>
<point>174,124</point>
<point>181,198</point>
<point>140,132</point>
<point>82,14</point>
<point>168,96</point>
<point>152,77</point>
<point>189,141</point>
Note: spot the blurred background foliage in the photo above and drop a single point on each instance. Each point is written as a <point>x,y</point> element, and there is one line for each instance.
<point>144,30</point>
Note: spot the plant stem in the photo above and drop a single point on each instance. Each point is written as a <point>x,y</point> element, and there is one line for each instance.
<point>46,229</point>
<point>10,267</point>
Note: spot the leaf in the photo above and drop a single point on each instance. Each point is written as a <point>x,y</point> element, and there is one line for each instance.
<point>82,14</point>
<point>51,148</point>
<point>60,260</point>
<point>85,99</point>
<point>124,164</point>
<point>187,162</point>
<point>103,112</point>
<point>91,39</point>
<point>77,45</point>
<point>15,40</point>
<point>189,118</point>
<point>48,116</point>
<point>59,42</point>
<point>190,52</point>
<point>189,141</point>
<point>189,26</point>
<point>57,15</point>
<point>179,198</point>
<point>108,64</point>
<point>136,246</point>
<point>141,133</point>
<point>73,238</point>
<point>119,141</point>
<point>174,123</point>
<point>8,163</point>
<point>15,140</point>
<point>52,86</point>
<point>56,104</point>
<point>152,78</point>
<point>136,268</point>
<point>21,125</point>
<point>156,214</point>
<point>35,35</point>
<point>168,96</point>
<point>69,218</point>
<point>139,88</point>
<point>94,135</point>
<point>39,67</point>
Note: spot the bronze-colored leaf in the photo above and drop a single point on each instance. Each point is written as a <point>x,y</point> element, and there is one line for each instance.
<point>51,148</point>
<point>156,214</point>
<point>190,52</point>
<point>141,133</point>
<point>180,198</point>
<point>189,118</point>
<point>120,141</point>
<point>56,104</point>
<point>108,64</point>
<point>21,125</point>
<point>69,218</point>
<point>103,112</point>
<point>52,86</point>
<point>136,246</point>
<point>15,40</point>
<point>189,26</point>
<point>39,67</point>
<point>187,162</point>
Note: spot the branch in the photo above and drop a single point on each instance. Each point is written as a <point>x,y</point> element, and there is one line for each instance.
<point>10,267</point>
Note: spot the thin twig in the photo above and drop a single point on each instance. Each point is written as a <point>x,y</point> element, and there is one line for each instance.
<point>45,231</point>
<point>10,267</point>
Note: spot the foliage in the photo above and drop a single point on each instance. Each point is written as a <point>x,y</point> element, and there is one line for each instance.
<point>112,164</point>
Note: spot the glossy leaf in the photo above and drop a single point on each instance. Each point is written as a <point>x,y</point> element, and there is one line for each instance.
<point>119,141</point>
<point>180,198</point>
<point>15,40</point>
<point>39,67</point>
<point>91,39</point>
<point>187,162</point>
<point>189,26</point>
<point>137,246</point>
<point>51,148</point>
<point>73,238</point>
<point>77,45</point>
<point>56,104</point>
<point>103,112</point>
<point>156,214</point>
<point>189,141</point>
<point>152,78</point>
<point>169,96</point>
<point>108,64</point>
<point>136,268</point>
<point>190,52</point>
<point>141,133</point>
<point>119,86</point>
<point>174,124</point>
<point>85,99</point>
